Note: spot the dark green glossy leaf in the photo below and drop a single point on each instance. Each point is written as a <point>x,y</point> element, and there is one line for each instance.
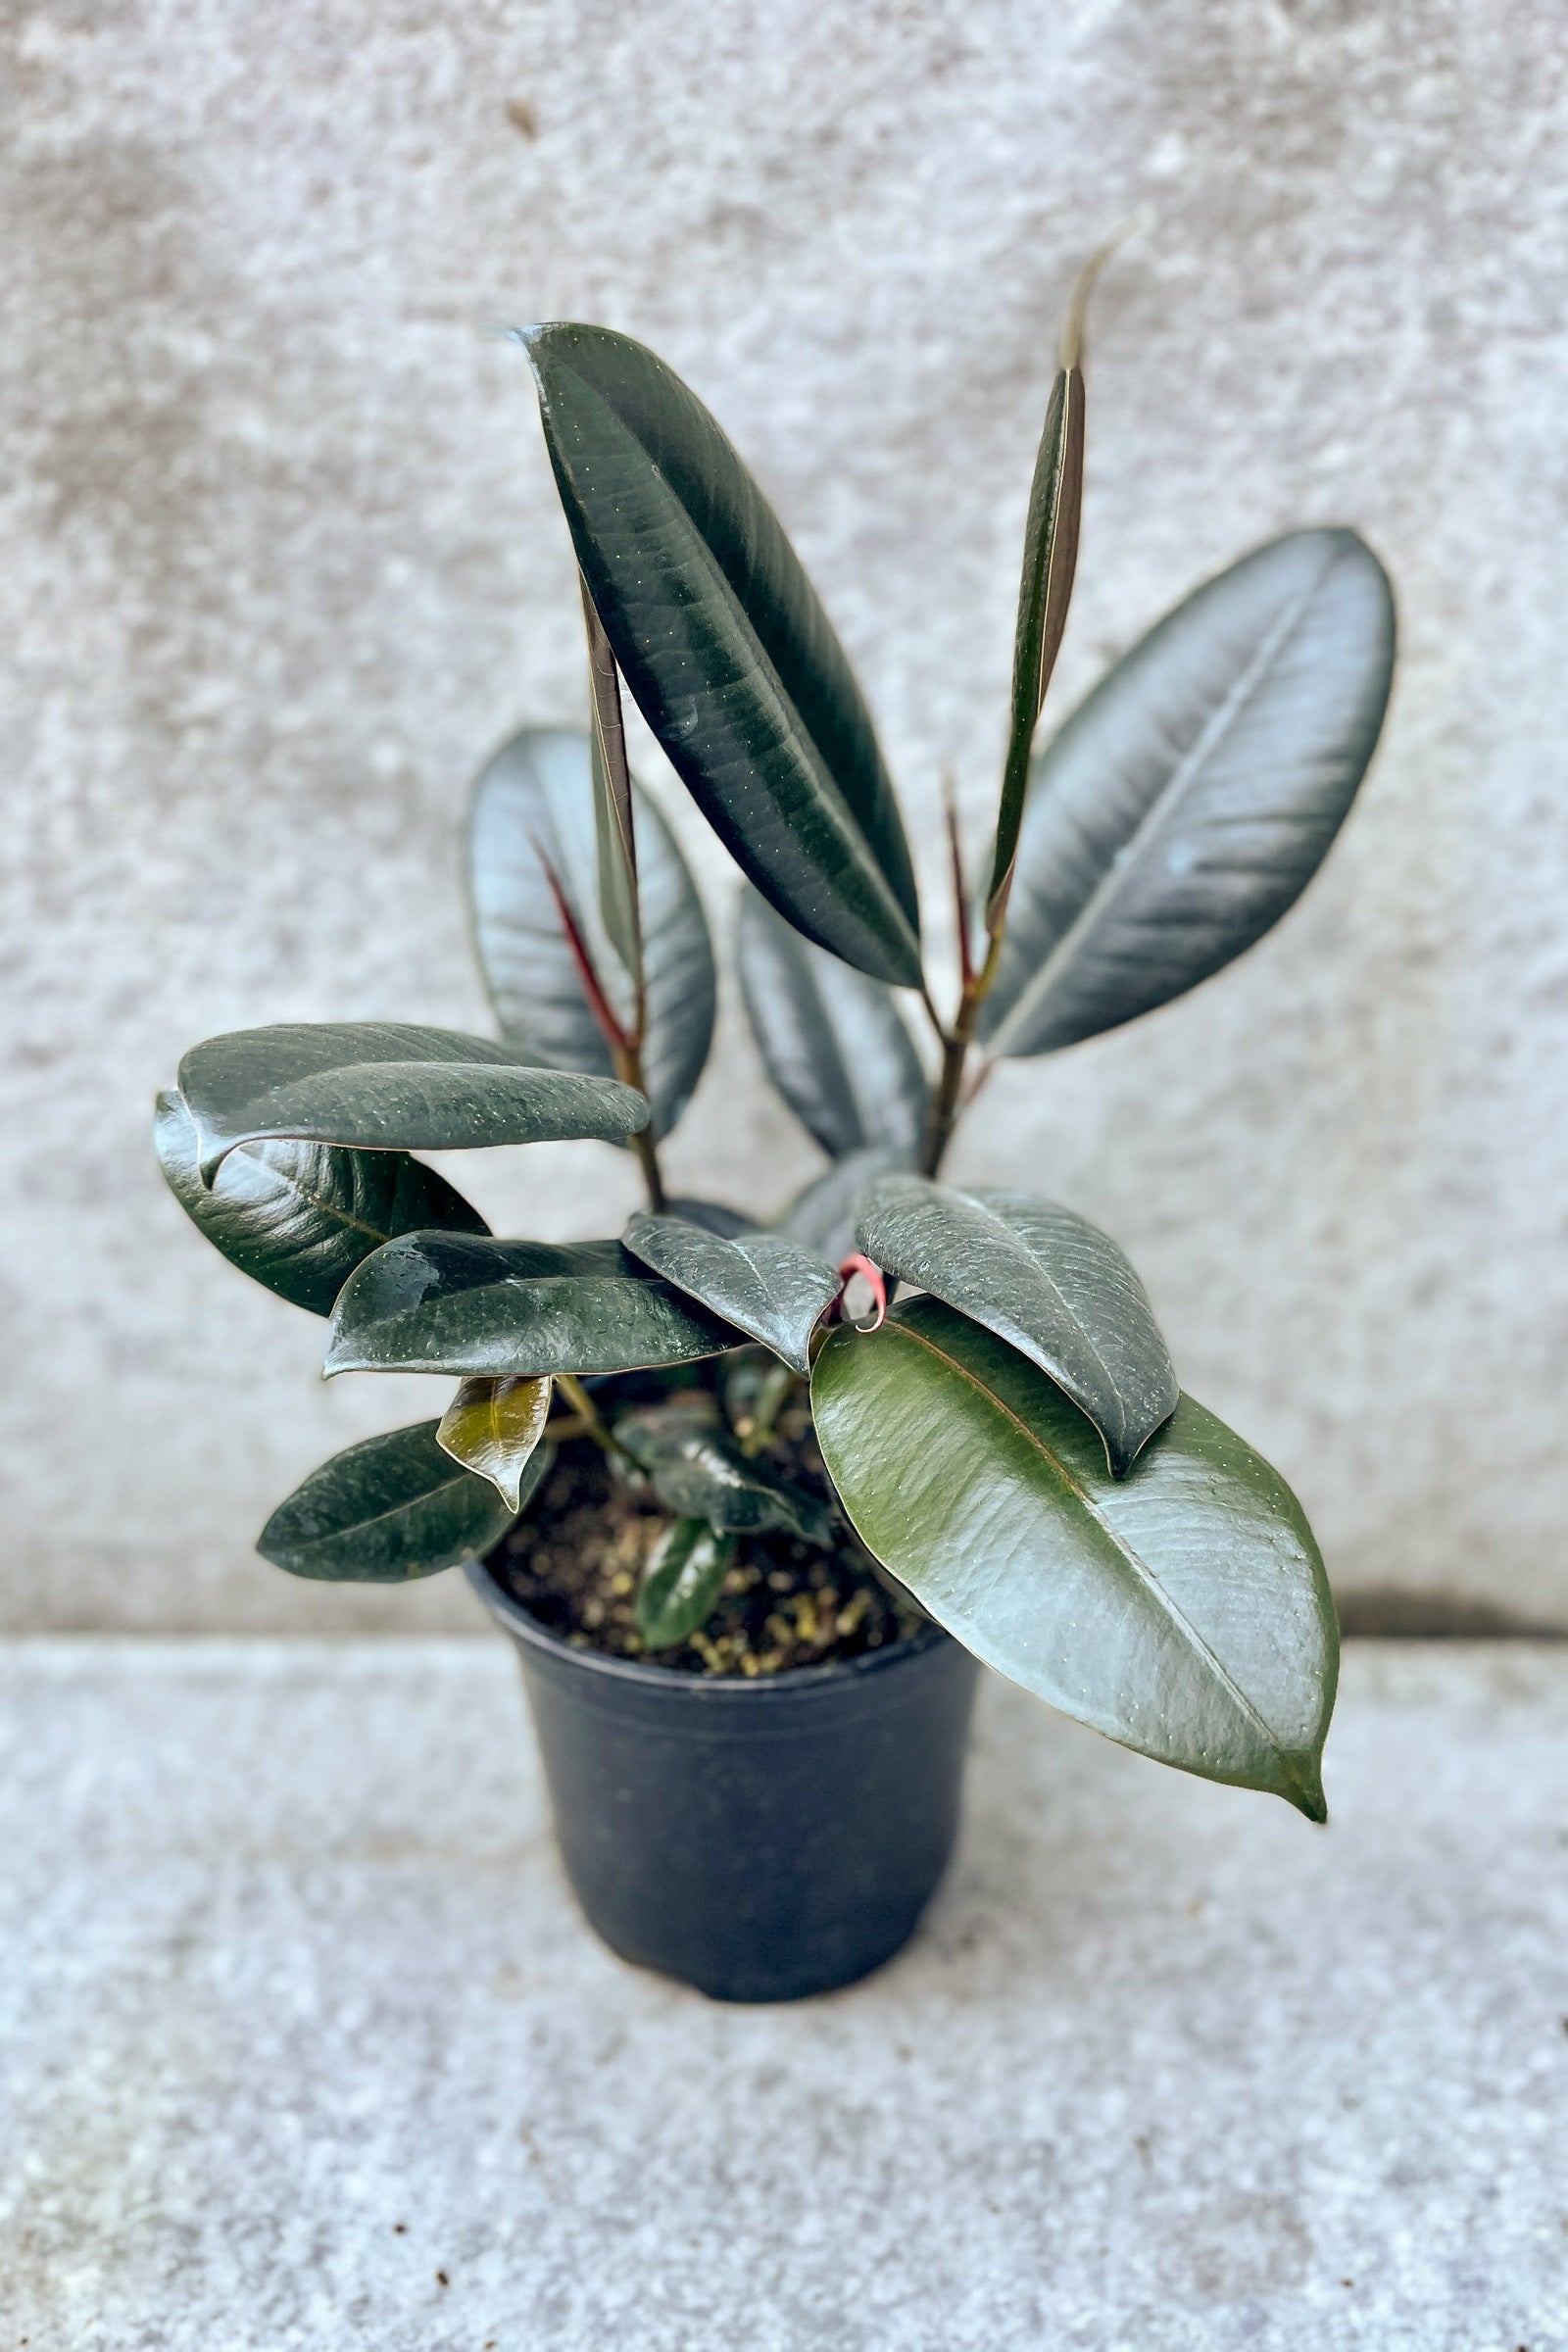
<point>1182,1610</point>
<point>697,1469</point>
<point>387,1510</point>
<point>493,1426</point>
<point>440,1302</point>
<point>834,1040</point>
<point>614,836</point>
<point>1189,802</point>
<point>536,796</point>
<point>1044,591</point>
<point>682,1582</point>
<point>763,1283</point>
<point>1048,1280</point>
<point>823,1216</point>
<point>712,1215</point>
<point>727,652</point>
<point>386,1084</point>
<point>300,1217</point>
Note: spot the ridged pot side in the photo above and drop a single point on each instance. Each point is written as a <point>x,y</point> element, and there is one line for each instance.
<point>761,1840</point>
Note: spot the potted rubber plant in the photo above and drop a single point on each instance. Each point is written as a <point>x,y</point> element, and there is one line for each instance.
<point>754,1486</point>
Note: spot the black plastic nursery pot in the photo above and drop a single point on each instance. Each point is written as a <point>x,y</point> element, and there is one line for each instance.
<point>760,1840</point>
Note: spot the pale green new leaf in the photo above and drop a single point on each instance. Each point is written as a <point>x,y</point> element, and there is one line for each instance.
<point>493,1427</point>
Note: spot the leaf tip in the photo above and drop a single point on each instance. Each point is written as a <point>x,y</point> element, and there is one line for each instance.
<point>1072,333</point>
<point>1303,1789</point>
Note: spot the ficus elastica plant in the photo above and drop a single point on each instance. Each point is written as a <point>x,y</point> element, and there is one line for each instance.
<point>1008,1437</point>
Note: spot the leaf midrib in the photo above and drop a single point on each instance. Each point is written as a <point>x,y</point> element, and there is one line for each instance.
<point>1020,1247</point>
<point>395,1511</point>
<point>326,1208</point>
<point>1145,1577</point>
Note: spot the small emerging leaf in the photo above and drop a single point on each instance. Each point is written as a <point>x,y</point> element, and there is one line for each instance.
<point>765,1284</point>
<point>682,1580</point>
<point>697,1469</point>
<point>387,1510</point>
<point>493,1425</point>
<point>1041,1278</point>
<point>615,838</point>
<point>300,1217</point>
<point>1045,590</point>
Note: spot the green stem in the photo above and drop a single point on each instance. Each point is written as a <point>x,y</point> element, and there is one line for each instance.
<point>947,1096</point>
<point>628,1063</point>
<point>771,1398</point>
<point>589,1415</point>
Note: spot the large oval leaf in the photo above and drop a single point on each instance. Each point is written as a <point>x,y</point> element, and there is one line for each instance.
<point>1048,1280</point>
<point>300,1217</point>
<point>834,1040</point>
<point>823,1216</point>
<point>441,1302</point>
<point>763,1283</point>
<point>1183,1610</point>
<point>388,1085</point>
<point>725,648</point>
<point>387,1510</point>
<point>533,811</point>
<point>1190,798</point>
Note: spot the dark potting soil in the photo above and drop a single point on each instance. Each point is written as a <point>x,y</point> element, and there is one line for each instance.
<point>573,1562</point>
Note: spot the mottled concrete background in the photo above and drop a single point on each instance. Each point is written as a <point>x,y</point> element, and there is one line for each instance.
<point>282,562</point>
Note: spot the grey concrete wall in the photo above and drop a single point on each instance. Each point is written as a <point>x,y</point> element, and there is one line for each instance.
<point>283,561</point>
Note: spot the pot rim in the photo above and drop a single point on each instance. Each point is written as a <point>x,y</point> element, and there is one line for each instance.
<point>750,1690</point>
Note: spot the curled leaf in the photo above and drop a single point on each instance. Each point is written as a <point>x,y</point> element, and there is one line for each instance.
<point>493,1425</point>
<point>300,1217</point>
<point>388,1086</point>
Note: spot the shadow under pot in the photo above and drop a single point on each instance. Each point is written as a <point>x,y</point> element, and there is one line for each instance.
<point>760,1840</point>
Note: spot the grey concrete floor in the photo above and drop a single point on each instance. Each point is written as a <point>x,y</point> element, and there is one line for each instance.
<point>306,2047</point>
